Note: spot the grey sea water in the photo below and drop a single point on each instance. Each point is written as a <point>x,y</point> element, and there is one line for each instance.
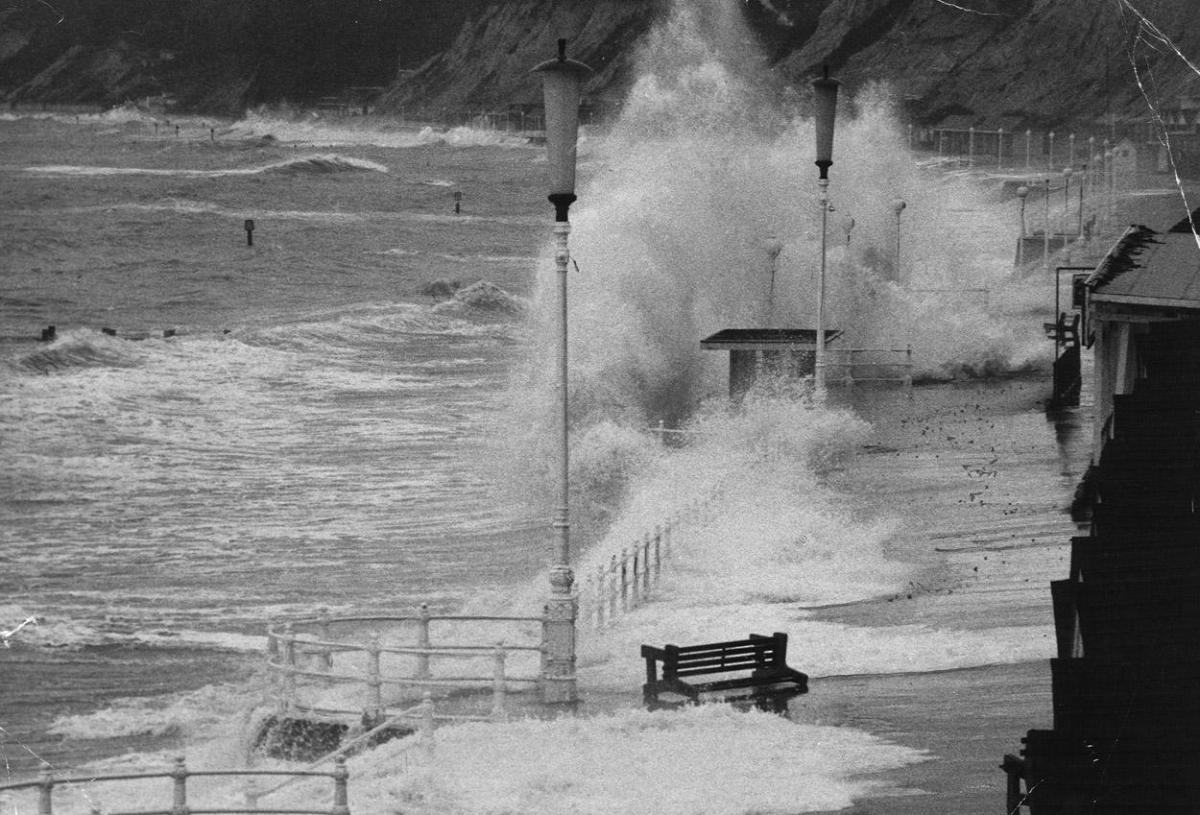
<point>222,434</point>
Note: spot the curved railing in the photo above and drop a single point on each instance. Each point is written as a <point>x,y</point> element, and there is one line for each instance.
<point>626,579</point>
<point>310,649</point>
<point>179,774</point>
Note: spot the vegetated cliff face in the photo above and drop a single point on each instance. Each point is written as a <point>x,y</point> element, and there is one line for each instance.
<point>1019,63</point>
<point>488,63</point>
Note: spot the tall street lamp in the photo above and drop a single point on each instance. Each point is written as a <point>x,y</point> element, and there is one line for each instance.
<point>825,90</point>
<point>561,82</point>
<point>898,206</point>
<point>1023,194</point>
<point>1067,173</point>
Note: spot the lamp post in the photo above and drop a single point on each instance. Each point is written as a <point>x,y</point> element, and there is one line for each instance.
<point>825,90</point>
<point>1046,231</point>
<point>1067,172</point>
<point>1023,194</point>
<point>1082,181</point>
<point>898,206</point>
<point>561,82</point>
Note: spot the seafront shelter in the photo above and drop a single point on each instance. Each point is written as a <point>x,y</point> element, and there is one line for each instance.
<point>758,352</point>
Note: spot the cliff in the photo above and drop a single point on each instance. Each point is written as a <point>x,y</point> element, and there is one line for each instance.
<point>1019,63</point>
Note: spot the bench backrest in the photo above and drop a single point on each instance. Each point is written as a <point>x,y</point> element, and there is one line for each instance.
<point>720,657</point>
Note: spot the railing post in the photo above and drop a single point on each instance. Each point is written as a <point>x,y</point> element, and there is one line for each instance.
<point>45,792</point>
<point>179,775</point>
<point>323,631</point>
<point>635,588</point>
<point>624,580</point>
<point>289,667</point>
<point>499,682</point>
<point>646,566</point>
<point>908,368</point>
<point>426,729</point>
<point>374,680</point>
<point>657,553</point>
<point>615,586</point>
<point>423,642</point>
<point>341,777</point>
<point>600,598</point>
<point>850,367</point>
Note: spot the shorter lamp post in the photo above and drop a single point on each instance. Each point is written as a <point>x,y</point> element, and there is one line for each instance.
<point>562,79</point>
<point>1067,172</point>
<point>1082,181</point>
<point>898,206</point>
<point>825,90</point>
<point>1023,194</point>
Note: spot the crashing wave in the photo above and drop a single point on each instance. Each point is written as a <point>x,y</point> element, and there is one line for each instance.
<point>324,164</point>
<point>483,297</point>
<point>79,350</point>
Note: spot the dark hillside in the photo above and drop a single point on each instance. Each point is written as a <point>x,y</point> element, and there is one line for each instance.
<point>1011,63</point>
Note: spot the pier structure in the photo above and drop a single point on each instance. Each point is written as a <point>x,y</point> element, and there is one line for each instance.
<point>1125,735</point>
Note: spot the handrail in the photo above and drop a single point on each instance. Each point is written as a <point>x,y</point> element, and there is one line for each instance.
<point>624,581</point>
<point>849,363</point>
<point>282,650</point>
<point>179,772</point>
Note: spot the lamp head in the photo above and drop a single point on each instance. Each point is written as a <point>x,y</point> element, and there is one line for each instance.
<point>825,92</point>
<point>1022,192</point>
<point>898,206</point>
<point>562,80</point>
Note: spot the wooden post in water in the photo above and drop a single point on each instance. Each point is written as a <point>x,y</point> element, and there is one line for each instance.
<point>423,642</point>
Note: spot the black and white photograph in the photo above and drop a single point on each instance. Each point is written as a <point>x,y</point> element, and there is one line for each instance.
<point>600,407</point>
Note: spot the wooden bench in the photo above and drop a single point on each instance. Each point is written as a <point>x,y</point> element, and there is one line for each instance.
<point>770,682</point>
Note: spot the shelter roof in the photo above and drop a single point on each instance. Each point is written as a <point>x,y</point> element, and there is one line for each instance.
<point>1151,269</point>
<point>766,339</point>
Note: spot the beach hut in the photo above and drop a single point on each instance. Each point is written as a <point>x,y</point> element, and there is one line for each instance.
<point>1126,679</point>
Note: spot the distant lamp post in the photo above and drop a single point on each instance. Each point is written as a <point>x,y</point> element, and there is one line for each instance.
<point>1023,194</point>
<point>898,206</point>
<point>562,79</point>
<point>773,247</point>
<point>825,90</point>
<point>1067,173</point>
<point>1082,182</point>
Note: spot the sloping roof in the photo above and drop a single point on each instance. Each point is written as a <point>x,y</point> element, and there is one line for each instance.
<point>766,339</point>
<point>1148,268</point>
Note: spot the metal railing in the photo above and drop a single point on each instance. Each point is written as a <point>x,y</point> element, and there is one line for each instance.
<point>870,365</point>
<point>625,580</point>
<point>179,775</point>
<point>316,640</point>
